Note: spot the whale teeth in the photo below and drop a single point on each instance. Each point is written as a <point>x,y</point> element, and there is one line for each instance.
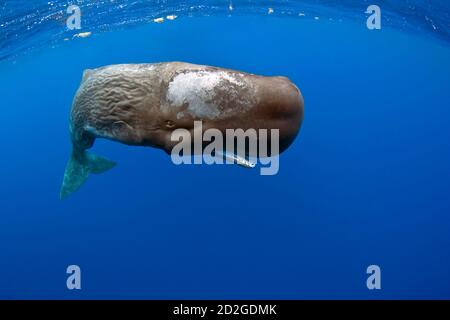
<point>235,158</point>
<point>82,34</point>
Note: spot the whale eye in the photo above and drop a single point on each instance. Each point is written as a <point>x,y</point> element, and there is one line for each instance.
<point>170,124</point>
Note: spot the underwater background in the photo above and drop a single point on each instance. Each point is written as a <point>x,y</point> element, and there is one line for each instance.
<point>367,181</point>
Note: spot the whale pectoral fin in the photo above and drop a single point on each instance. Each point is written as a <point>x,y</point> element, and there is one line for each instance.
<point>78,169</point>
<point>237,159</point>
<point>124,132</point>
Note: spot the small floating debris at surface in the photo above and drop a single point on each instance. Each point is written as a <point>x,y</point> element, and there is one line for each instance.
<point>158,20</point>
<point>270,11</point>
<point>230,6</point>
<point>66,39</point>
<point>171,17</point>
<point>301,14</point>
<point>316,18</point>
<point>82,34</point>
<point>431,22</point>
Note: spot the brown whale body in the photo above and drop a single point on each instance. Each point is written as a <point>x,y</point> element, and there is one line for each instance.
<point>142,104</point>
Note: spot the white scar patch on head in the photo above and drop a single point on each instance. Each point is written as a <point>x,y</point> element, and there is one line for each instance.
<point>196,88</point>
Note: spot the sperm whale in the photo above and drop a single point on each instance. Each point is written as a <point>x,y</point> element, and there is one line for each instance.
<point>142,104</point>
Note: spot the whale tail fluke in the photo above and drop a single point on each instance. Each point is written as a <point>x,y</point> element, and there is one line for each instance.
<point>80,165</point>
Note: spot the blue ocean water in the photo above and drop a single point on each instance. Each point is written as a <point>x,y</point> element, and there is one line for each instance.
<point>366,182</point>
